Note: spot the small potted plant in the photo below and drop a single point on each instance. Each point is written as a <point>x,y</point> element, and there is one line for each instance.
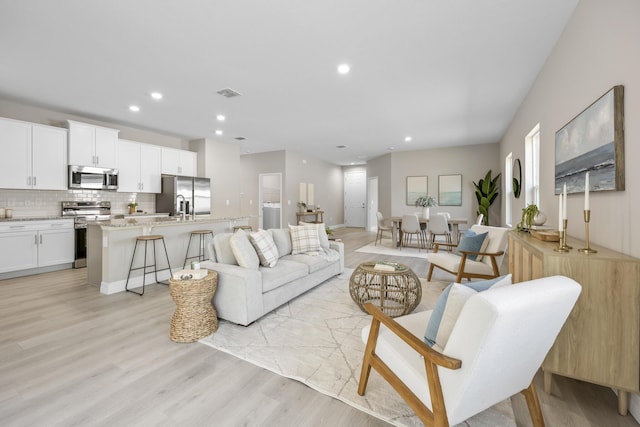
<point>132,207</point>
<point>426,202</point>
<point>302,206</point>
<point>528,214</point>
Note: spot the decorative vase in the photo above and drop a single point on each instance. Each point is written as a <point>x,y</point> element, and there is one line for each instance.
<point>132,209</point>
<point>425,212</point>
<point>540,218</point>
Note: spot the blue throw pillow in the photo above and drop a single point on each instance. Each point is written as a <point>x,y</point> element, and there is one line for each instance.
<point>435,320</point>
<point>471,242</point>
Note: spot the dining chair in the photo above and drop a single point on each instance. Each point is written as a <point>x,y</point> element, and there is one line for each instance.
<point>439,226</point>
<point>464,228</point>
<point>410,227</point>
<point>382,228</point>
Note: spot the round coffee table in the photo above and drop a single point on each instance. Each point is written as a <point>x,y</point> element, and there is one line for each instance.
<point>194,317</point>
<point>396,293</point>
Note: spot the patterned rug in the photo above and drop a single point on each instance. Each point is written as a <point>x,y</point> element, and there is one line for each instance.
<point>315,339</point>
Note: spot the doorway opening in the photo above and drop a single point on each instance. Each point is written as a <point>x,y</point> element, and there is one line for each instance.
<point>270,200</point>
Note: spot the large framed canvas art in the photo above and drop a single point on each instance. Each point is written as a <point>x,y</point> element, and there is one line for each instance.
<point>593,142</point>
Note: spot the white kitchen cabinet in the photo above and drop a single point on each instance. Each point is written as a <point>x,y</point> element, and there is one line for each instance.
<point>34,156</point>
<point>139,167</point>
<point>179,162</point>
<point>91,145</point>
<point>32,244</point>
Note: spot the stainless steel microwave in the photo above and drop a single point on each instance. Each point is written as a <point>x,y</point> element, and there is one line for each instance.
<point>93,178</point>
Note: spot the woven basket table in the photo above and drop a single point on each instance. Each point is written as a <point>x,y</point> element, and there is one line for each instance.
<point>396,292</point>
<point>194,317</point>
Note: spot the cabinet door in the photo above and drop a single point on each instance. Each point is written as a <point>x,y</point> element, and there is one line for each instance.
<point>18,250</point>
<point>106,146</point>
<point>188,163</point>
<point>49,158</point>
<point>150,168</point>
<point>55,246</point>
<point>15,161</point>
<point>128,166</point>
<point>171,161</point>
<point>82,139</point>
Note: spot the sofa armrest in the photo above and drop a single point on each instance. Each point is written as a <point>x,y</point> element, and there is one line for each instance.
<point>338,247</point>
<point>238,297</point>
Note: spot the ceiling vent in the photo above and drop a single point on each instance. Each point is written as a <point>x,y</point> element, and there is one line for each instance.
<point>239,138</point>
<point>228,93</point>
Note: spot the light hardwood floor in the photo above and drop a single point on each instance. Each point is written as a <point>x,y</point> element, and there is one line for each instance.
<point>70,356</point>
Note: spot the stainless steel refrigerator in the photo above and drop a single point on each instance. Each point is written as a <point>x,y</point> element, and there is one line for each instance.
<point>184,193</point>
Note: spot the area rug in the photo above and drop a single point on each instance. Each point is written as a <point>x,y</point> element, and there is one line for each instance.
<point>315,339</point>
<point>388,250</point>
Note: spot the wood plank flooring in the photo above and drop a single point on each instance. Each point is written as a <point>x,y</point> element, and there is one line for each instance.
<point>70,356</point>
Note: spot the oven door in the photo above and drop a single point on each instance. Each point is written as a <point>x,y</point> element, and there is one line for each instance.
<point>80,246</point>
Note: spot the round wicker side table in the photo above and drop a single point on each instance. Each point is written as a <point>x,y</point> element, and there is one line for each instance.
<point>194,317</point>
<point>396,292</point>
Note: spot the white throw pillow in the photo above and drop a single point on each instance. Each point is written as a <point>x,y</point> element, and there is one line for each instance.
<point>304,239</point>
<point>243,250</point>
<point>322,233</point>
<point>265,247</point>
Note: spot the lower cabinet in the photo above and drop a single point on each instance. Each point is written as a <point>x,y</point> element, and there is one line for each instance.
<point>600,342</point>
<point>33,244</point>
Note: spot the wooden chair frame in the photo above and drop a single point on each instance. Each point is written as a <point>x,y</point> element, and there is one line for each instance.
<point>432,359</point>
<point>461,274</point>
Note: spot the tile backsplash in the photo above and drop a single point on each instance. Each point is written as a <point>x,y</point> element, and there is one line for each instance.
<point>34,203</point>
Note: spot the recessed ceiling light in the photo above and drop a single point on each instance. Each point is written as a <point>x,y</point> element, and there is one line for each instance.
<point>391,148</point>
<point>352,163</point>
<point>218,132</point>
<point>407,139</point>
<point>156,95</point>
<point>221,117</point>
<point>134,108</point>
<point>344,68</point>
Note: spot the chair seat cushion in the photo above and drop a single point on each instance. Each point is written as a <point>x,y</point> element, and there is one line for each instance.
<point>451,263</point>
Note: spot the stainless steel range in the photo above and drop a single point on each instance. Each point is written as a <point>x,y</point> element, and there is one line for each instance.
<point>84,212</point>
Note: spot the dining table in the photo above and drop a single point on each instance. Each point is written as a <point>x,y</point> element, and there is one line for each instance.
<point>396,229</point>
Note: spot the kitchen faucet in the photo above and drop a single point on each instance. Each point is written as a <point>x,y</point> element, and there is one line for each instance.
<point>182,204</point>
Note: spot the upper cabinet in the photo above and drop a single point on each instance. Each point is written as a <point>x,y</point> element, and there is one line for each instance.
<point>179,162</point>
<point>91,145</point>
<point>139,167</point>
<point>34,156</point>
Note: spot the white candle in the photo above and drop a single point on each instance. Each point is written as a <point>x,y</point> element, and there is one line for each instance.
<point>586,192</point>
<point>560,212</point>
<point>564,201</point>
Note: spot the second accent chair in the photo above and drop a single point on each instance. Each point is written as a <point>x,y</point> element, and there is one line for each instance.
<point>465,264</point>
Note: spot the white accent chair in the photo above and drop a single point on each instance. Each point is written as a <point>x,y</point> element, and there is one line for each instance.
<point>410,227</point>
<point>487,267</point>
<point>497,345</point>
<point>381,228</point>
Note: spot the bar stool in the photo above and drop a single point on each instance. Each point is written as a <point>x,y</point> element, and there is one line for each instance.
<point>203,237</point>
<point>146,239</point>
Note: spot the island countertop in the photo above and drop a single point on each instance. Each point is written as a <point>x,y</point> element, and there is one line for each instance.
<point>110,246</point>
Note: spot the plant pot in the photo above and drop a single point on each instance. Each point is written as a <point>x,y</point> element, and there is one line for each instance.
<point>132,209</point>
<point>539,219</point>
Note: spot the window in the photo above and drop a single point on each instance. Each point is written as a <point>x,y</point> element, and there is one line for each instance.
<point>508,187</point>
<point>532,167</point>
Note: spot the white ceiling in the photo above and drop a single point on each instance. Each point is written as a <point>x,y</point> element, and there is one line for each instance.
<point>446,72</point>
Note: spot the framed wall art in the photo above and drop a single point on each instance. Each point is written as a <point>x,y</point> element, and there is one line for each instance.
<point>416,187</point>
<point>450,190</point>
<point>593,142</point>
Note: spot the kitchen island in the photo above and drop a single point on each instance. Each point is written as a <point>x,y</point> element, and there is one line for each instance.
<point>110,247</point>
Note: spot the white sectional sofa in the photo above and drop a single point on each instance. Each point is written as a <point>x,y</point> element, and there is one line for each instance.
<point>248,290</point>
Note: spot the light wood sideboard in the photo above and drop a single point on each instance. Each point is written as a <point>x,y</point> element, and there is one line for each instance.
<point>600,342</point>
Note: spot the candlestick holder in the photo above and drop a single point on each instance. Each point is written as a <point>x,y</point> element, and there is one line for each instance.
<point>587,218</point>
<point>564,228</point>
<point>561,243</point>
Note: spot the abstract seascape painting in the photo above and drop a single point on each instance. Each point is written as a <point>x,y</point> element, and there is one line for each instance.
<point>593,142</point>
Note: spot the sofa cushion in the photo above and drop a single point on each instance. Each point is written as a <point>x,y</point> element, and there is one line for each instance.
<point>265,247</point>
<point>222,246</point>
<point>284,272</point>
<point>304,239</point>
<point>313,263</point>
<point>282,239</point>
<point>322,233</point>
<point>471,241</point>
<point>449,305</point>
<point>243,250</point>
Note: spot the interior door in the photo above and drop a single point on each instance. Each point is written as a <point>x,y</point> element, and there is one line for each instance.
<point>355,199</point>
